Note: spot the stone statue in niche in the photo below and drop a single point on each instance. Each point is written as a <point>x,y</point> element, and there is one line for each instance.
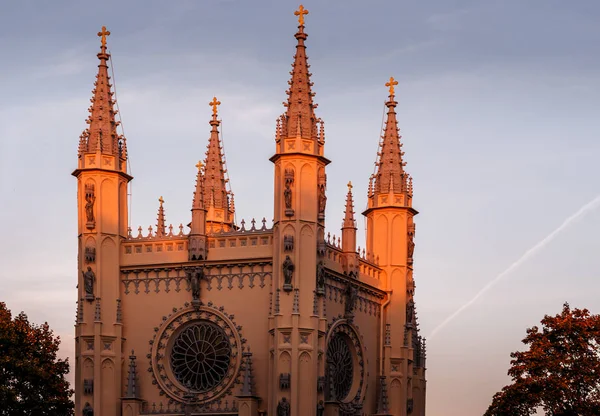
<point>410,312</point>
<point>288,273</point>
<point>320,278</point>
<point>196,277</point>
<point>287,192</point>
<point>90,199</point>
<point>320,408</point>
<point>287,196</point>
<point>87,410</point>
<point>322,199</point>
<point>283,408</point>
<point>89,277</point>
<point>351,296</point>
<point>411,246</point>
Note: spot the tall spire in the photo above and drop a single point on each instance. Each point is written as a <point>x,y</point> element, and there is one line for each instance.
<point>390,176</point>
<point>300,119</point>
<point>349,221</point>
<point>101,135</point>
<point>216,193</point>
<point>161,229</point>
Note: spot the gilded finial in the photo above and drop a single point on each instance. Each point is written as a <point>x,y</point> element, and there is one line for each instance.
<point>161,200</point>
<point>350,186</point>
<point>214,103</point>
<point>391,84</point>
<point>300,13</point>
<point>103,34</point>
<point>199,165</point>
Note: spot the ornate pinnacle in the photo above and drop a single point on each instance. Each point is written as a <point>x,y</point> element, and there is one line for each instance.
<point>160,226</point>
<point>301,12</point>
<point>391,84</point>
<point>132,390</point>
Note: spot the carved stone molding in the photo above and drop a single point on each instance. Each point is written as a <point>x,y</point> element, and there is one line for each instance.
<point>216,277</point>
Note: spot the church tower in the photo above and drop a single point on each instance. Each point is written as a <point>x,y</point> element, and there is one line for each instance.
<point>299,211</point>
<point>390,234</point>
<point>102,180</point>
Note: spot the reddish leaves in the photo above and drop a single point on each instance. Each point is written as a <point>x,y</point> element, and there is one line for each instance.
<point>32,379</point>
<point>560,372</point>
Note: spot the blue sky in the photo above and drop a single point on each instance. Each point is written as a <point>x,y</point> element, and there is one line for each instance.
<point>498,108</point>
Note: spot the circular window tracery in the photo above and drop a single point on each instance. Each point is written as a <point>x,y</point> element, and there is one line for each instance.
<point>196,350</point>
<point>340,364</point>
<point>345,367</point>
<point>200,356</point>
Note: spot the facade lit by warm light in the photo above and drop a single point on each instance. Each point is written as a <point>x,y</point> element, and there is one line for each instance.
<point>257,318</point>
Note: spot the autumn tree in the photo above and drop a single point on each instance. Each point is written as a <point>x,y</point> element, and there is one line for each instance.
<point>559,373</point>
<point>32,378</point>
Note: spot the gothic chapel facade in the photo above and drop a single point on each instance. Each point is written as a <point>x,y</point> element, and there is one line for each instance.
<point>246,319</point>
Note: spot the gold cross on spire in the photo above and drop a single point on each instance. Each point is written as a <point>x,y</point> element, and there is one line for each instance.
<point>103,35</point>
<point>199,165</point>
<point>350,186</point>
<point>300,13</point>
<point>161,200</point>
<point>391,84</point>
<point>214,103</point>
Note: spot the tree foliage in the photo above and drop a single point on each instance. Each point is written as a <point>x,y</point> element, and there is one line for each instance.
<point>559,373</point>
<point>32,378</point>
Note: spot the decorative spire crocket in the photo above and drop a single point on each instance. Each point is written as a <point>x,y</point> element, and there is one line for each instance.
<point>101,135</point>
<point>299,120</point>
<point>390,177</point>
<point>215,183</point>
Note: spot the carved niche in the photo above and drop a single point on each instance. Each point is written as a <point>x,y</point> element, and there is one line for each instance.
<point>288,242</point>
<point>284,381</point>
<point>88,387</point>
<point>90,254</point>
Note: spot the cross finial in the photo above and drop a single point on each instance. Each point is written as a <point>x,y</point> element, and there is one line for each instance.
<point>199,165</point>
<point>349,186</point>
<point>391,84</point>
<point>161,200</point>
<point>103,34</point>
<point>214,103</point>
<point>300,13</point>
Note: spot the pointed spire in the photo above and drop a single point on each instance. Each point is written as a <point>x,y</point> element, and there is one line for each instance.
<point>390,176</point>
<point>101,135</point>
<point>216,194</point>
<point>161,228</point>
<point>300,119</point>
<point>198,201</point>
<point>132,388</point>
<point>248,377</point>
<point>349,221</point>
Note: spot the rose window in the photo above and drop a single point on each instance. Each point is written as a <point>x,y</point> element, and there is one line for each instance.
<point>201,356</point>
<point>340,364</point>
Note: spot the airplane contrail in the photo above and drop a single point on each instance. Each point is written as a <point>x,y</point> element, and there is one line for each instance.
<point>583,210</point>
